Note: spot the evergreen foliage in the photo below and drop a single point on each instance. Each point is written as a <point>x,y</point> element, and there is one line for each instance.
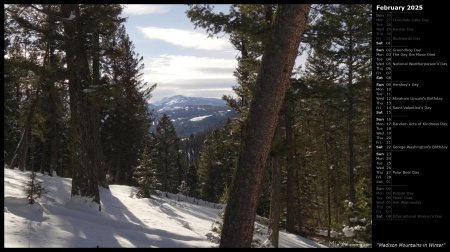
<point>146,175</point>
<point>336,109</point>
<point>216,164</point>
<point>326,135</point>
<point>323,148</point>
<point>167,145</point>
<point>183,188</point>
<point>52,125</point>
<point>126,119</point>
<point>34,189</point>
<point>190,152</point>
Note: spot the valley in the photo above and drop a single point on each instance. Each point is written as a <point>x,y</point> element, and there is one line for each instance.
<point>191,115</point>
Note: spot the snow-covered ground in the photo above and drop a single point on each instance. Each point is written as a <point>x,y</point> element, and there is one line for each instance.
<point>59,221</point>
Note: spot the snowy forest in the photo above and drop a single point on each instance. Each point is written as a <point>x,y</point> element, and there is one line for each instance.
<point>299,153</point>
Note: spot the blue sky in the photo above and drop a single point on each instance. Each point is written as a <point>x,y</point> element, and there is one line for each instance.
<point>178,57</point>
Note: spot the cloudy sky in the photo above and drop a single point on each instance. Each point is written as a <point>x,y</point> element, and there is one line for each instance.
<point>180,59</point>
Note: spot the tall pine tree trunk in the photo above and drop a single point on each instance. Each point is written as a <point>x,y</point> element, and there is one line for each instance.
<point>53,134</point>
<point>328,167</point>
<point>53,114</point>
<point>22,147</point>
<point>351,146</point>
<point>95,112</point>
<point>290,189</point>
<point>299,204</point>
<point>24,150</point>
<point>85,159</point>
<point>271,85</point>
<point>275,193</point>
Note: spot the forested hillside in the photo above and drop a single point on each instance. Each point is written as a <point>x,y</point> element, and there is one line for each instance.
<point>192,115</point>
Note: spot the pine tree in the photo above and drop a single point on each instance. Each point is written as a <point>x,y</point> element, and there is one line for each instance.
<point>146,175</point>
<point>248,26</point>
<point>50,107</point>
<point>36,27</point>
<point>184,189</point>
<point>192,180</point>
<point>34,189</point>
<point>337,98</point>
<point>276,67</point>
<point>167,147</point>
<point>23,81</point>
<point>349,28</point>
<point>191,150</point>
<point>360,214</point>
<point>216,165</point>
<point>209,167</point>
<point>274,165</point>
<point>42,131</point>
<point>126,118</point>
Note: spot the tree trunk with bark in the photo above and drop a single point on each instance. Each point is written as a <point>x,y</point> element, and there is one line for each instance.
<point>271,85</point>
<point>275,193</point>
<point>95,113</point>
<point>85,157</point>
<point>290,189</point>
<point>22,147</point>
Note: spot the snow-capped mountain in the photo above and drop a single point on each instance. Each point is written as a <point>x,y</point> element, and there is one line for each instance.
<point>191,115</point>
<point>170,103</point>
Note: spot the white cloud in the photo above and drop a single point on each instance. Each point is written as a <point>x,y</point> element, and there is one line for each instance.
<point>212,88</point>
<point>185,38</point>
<point>177,68</point>
<point>141,9</point>
<point>166,90</point>
<point>190,76</point>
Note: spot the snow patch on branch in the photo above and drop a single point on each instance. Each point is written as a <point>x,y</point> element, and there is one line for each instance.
<point>71,17</point>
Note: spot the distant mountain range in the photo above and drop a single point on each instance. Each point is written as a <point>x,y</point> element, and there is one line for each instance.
<point>191,115</point>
